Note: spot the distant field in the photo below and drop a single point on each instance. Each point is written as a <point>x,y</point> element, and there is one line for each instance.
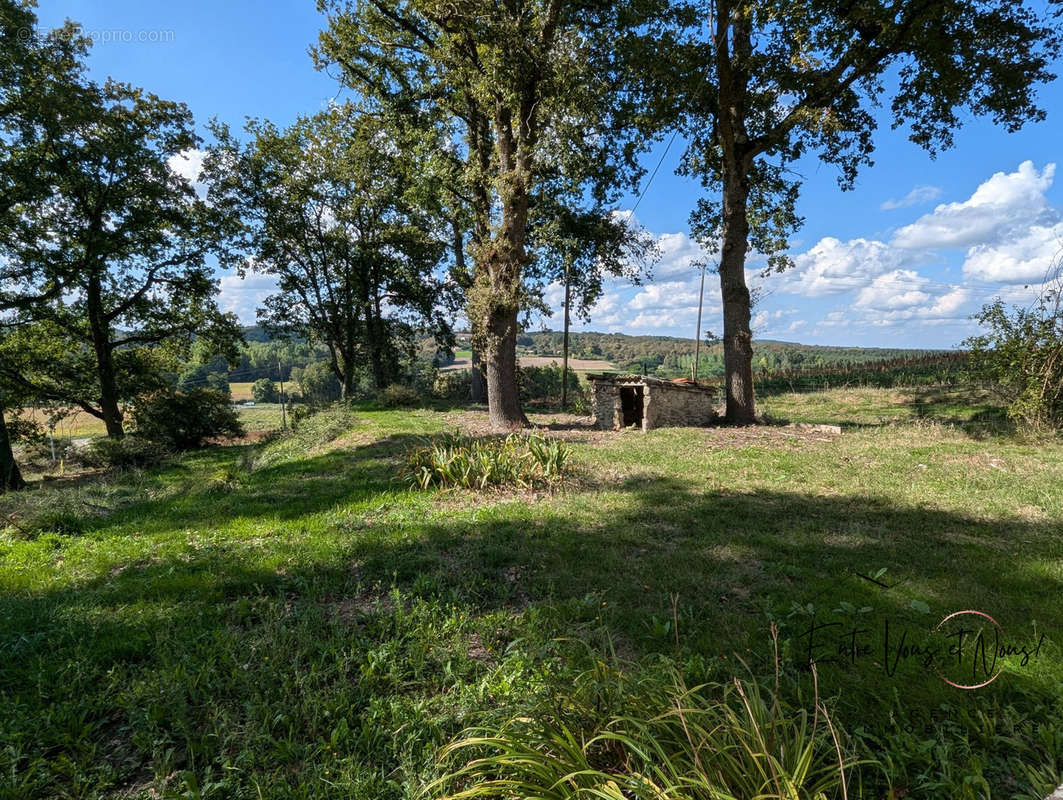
<point>579,364</point>
<point>81,425</point>
<point>77,425</point>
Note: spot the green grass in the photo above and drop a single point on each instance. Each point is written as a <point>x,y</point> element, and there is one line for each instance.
<point>289,620</point>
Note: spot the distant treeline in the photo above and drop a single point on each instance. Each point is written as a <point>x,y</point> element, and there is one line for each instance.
<point>669,357</point>
<point>264,357</point>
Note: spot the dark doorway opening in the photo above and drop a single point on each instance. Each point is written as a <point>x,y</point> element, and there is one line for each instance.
<point>631,404</point>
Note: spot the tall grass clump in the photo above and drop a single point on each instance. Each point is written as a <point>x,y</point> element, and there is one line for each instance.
<point>451,461</point>
<point>313,431</point>
<point>732,741</point>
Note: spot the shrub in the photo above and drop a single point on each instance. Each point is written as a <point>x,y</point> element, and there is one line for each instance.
<point>219,382</point>
<point>454,386</point>
<point>318,384</point>
<point>663,740</point>
<point>397,396</point>
<point>185,420</point>
<point>264,391</point>
<point>1021,356</point>
<point>516,460</point>
<point>129,452</point>
<point>543,384</point>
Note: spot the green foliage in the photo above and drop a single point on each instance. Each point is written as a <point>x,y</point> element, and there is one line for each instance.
<point>528,89</point>
<point>103,262</point>
<point>1021,355</point>
<point>132,451</point>
<point>454,386</point>
<point>317,384</point>
<point>719,80</point>
<point>185,420</point>
<point>736,741</point>
<point>468,463</point>
<point>219,382</point>
<point>264,391</point>
<point>342,211</point>
<point>399,396</point>
<point>962,753</point>
<point>543,384</point>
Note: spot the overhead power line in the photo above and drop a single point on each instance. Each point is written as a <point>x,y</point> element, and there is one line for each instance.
<point>654,173</point>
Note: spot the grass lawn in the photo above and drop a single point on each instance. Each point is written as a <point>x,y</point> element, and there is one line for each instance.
<point>288,620</point>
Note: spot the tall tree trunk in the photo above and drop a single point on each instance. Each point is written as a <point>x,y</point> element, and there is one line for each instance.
<point>375,340</point>
<point>734,79</point>
<point>10,475</point>
<point>105,373</point>
<point>737,336</point>
<point>347,377</point>
<point>503,397</point>
<point>564,345</point>
<point>502,279</point>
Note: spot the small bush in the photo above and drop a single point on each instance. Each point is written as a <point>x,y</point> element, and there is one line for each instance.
<point>516,460</point>
<point>454,386</point>
<point>130,452</point>
<point>396,396</point>
<point>185,420</point>
<point>264,391</point>
<point>1021,356</point>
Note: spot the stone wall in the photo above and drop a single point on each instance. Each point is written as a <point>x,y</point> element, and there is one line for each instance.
<point>668,406</point>
<point>665,405</point>
<point>605,401</point>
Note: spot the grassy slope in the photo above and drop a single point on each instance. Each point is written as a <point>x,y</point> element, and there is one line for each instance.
<point>292,621</point>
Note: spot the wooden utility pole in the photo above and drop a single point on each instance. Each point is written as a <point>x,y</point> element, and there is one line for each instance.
<point>697,333</point>
<point>284,416</point>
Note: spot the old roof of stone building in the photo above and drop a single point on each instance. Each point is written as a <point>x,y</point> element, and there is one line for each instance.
<point>630,379</point>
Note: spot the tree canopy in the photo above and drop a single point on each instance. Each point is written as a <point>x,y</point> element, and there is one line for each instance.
<point>345,216</point>
<point>757,86</point>
<point>523,93</point>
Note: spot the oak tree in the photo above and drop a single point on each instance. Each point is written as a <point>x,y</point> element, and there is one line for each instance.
<point>107,259</point>
<point>335,209</point>
<point>520,88</point>
<point>760,85</point>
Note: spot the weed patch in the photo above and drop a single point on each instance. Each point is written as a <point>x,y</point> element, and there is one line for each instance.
<point>467,463</point>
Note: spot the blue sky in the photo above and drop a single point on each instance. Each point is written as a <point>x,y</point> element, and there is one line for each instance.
<point>902,261</point>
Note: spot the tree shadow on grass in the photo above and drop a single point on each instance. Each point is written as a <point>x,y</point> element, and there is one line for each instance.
<point>171,650</point>
<point>971,409</point>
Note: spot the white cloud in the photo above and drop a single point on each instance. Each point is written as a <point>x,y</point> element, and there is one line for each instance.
<point>917,196</point>
<point>243,296</point>
<point>1000,204</point>
<point>833,266</point>
<point>678,254</point>
<point>947,306</point>
<point>902,288</point>
<point>188,164</point>
<point>671,294</point>
<point>1025,258</point>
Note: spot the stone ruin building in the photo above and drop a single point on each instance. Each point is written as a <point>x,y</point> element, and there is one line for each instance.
<point>623,401</point>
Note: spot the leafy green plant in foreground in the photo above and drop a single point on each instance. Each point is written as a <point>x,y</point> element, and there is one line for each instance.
<point>736,741</point>
<point>458,461</point>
